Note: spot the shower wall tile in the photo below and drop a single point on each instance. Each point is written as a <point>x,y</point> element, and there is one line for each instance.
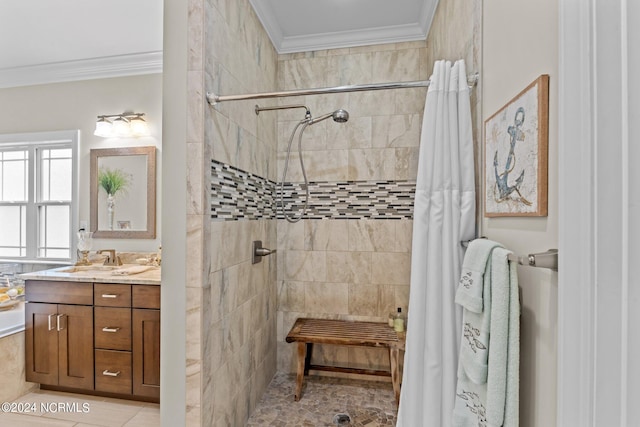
<point>390,268</point>
<point>327,298</point>
<point>195,116</point>
<point>305,266</point>
<point>372,103</point>
<point>396,65</point>
<point>332,165</point>
<point>369,300</point>
<point>356,135</point>
<point>305,73</point>
<point>326,235</point>
<point>373,164</point>
<point>349,69</point>
<point>406,162</point>
<point>373,236</point>
<point>348,267</point>
<point>411,101</point>
<point>369,358</point>
<point>404,235</point>
<point>396,131</point>
<point>241,299</point>
<point>195,265</point>
<point>325,353</point>
<point>291,296</point>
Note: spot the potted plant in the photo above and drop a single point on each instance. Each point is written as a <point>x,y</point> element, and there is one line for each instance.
<point>112,181</point>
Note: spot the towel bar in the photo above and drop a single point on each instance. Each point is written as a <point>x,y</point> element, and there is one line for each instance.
<point>548,259</point>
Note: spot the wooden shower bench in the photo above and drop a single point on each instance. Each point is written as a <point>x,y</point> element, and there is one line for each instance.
<point>307,332</point>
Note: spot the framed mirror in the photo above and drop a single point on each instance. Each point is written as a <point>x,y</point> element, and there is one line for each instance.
<point>123,193</point>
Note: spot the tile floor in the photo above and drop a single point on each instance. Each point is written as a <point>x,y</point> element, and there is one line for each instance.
<point>367,403</point>
<point>43,408</point>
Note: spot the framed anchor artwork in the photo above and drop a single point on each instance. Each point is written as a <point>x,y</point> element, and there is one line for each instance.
<point>515,154</point>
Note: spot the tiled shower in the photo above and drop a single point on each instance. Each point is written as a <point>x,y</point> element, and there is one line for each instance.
<point>351,257</point>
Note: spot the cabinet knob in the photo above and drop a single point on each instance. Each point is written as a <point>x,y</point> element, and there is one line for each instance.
<point>109,296</point>
<point>109,329</point>
<point>107,373</point>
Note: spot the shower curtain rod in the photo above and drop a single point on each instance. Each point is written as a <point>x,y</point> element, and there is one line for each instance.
<point>214,99</point>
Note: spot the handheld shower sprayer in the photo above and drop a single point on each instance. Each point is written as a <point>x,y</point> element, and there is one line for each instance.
<point>339,116</point>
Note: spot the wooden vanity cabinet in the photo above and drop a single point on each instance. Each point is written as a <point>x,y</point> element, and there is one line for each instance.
<point>59,334</point>
<point>99,337</point>
<point>127,339</point>
<point>145,301</point>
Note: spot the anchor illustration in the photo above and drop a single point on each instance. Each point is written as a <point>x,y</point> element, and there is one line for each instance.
<point>504,190</point>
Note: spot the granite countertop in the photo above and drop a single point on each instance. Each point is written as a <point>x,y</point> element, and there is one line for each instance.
<point>99,273</point>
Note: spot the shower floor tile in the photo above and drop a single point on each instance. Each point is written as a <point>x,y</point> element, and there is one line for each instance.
<point>368,403</point>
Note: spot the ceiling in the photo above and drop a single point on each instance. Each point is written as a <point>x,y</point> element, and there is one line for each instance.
<point>306,25</point>
<point>44,41</point>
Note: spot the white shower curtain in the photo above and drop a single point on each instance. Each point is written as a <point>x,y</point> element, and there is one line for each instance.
<point>444,214</point>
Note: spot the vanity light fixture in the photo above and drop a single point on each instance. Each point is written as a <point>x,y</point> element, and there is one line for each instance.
<point>125,125</point>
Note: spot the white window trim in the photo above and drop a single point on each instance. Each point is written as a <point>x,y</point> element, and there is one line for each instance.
<point>42,139</point>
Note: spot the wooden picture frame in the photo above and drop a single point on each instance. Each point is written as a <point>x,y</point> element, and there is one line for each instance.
<point>516,140</point>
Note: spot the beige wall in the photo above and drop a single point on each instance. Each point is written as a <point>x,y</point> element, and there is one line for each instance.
<point>76,105</point>
<point>520,42</point>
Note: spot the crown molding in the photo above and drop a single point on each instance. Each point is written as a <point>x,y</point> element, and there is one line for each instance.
<point>341,39</point>
<point>86,69</point>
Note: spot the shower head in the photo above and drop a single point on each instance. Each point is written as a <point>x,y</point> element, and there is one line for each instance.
<point>339,116</point>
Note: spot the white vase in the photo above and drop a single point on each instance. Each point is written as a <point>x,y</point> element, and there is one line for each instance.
<point>111,206</point>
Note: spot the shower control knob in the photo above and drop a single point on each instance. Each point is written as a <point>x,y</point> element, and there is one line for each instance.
<point>258,252</point>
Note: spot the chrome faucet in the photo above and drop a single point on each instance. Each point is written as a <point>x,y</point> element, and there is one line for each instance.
<point>112,258</point>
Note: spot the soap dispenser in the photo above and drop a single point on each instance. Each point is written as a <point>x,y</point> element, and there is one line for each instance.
<point>398,322</point>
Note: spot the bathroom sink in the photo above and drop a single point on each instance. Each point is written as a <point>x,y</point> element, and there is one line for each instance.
<point>88,268</point>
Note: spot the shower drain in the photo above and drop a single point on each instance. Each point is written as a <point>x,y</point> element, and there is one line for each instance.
<point>341,419</point>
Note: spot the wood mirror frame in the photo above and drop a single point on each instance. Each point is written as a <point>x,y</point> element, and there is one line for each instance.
<point>150,231</point>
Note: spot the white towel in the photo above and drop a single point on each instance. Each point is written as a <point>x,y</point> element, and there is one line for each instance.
<point>474,295</point>
<point>495,402</point>
<point>469,293</point>
<point>128,271</point>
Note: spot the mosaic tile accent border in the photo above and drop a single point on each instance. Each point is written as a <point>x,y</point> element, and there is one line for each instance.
<point>237,194</point>
<point>350,199</point>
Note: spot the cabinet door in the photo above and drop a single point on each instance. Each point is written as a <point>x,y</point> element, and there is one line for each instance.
<point>75,335</point>
<point>146,352</point>
<point>41,346</point>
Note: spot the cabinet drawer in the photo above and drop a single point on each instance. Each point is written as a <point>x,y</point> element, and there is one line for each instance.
<point>112,328</point>
<point>146,296</point>
<point>80,293</point>
<point>111,295</point>
<point>113,371</point>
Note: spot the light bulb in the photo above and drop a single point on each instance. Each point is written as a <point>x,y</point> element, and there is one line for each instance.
<point>103,128</point>
<point>139,127</point>
<point>121,127</point>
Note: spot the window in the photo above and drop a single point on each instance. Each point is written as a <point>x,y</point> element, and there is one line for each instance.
<point>38,195</point>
